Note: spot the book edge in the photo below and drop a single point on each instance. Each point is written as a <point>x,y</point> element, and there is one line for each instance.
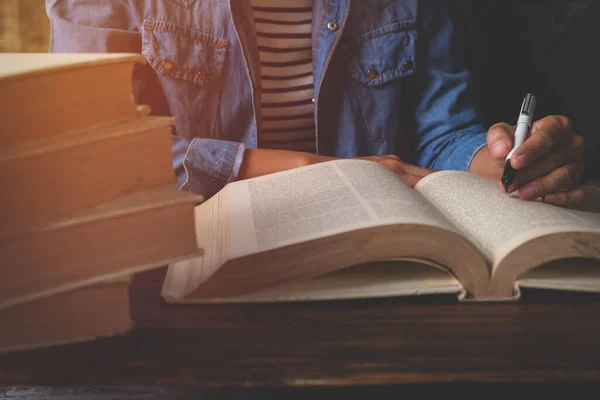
<point>102,59</point>
<point>96,280</point>
<point>98,212</point>
<point>536,284</point>
<point>85,136</point>
<point>233,300</point>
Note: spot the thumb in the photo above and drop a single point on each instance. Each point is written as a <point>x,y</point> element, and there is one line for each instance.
<point>500,140</point>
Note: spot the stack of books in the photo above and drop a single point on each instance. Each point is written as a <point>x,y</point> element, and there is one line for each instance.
<point>87,197</point>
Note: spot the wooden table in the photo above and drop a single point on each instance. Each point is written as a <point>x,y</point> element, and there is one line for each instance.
<point>546,337</point>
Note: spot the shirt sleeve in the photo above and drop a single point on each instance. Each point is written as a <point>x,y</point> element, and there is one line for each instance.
<point>202,166</point>
<point>206,165</point>
<point>449,130</point>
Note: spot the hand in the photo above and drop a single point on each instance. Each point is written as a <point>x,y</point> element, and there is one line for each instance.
<point>549,162</point>
<point>409,173</point>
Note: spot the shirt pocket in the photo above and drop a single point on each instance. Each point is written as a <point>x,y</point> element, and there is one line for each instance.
<point>189,64</point>
<point>379,63</point>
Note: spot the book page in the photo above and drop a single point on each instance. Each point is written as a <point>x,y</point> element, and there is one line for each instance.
<point>321,200</point>
<point>495,221</point>
<point>389,197</point>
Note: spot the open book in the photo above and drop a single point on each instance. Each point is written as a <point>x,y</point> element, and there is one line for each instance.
<point>340,229</point>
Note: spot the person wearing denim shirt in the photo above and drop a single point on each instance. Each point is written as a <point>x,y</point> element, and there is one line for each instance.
<point>389,85</point>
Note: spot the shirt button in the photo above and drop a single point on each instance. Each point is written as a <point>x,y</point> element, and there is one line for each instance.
<point>372,73</point>
<point>313,100</point>
<point>167,65</point>
<point>332,26</point>
<point>407,65</point>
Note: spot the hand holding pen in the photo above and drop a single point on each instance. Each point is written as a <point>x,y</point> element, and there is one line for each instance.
<point>521,131</point>
<point>541,159</point>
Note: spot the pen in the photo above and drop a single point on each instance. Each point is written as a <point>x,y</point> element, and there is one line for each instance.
<point>523,126</point>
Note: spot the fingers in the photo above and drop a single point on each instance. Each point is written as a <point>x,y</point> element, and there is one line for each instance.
<point>546,134</point>
<point>409,173</point>
<point>392,164</point>
<point>568,198</point>
<point>571,153</point>
<point>549,162</point>
<point>500,140</point>
<point>406,169</point>
<point>565,177</point>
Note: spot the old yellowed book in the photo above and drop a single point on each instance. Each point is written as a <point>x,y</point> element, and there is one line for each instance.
<point>46,95</point>
<point>134,233</point>
<point>293,235</point>
<point>78,315</point>
<point>53,178</point>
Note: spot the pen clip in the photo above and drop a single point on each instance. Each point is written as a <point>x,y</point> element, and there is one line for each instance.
<point>528,106</point>
<point>527,110</point>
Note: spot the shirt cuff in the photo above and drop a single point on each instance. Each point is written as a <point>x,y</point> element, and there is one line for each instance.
<point>460,159</point>
<point>211,164</point>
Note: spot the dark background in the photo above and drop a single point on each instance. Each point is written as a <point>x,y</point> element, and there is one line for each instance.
<point>549,48</point>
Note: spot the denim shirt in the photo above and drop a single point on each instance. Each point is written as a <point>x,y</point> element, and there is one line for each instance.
<point>389,78</point>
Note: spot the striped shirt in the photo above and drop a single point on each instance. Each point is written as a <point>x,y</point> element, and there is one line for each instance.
<point>285,47</point>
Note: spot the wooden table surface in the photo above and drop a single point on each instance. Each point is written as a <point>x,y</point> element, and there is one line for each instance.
<point>546,337</point>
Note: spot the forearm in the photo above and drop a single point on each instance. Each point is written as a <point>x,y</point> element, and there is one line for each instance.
<point>258,162</point>
<point>206,165</point>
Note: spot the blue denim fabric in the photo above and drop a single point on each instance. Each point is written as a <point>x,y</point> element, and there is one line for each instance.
<point>389,78</point>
